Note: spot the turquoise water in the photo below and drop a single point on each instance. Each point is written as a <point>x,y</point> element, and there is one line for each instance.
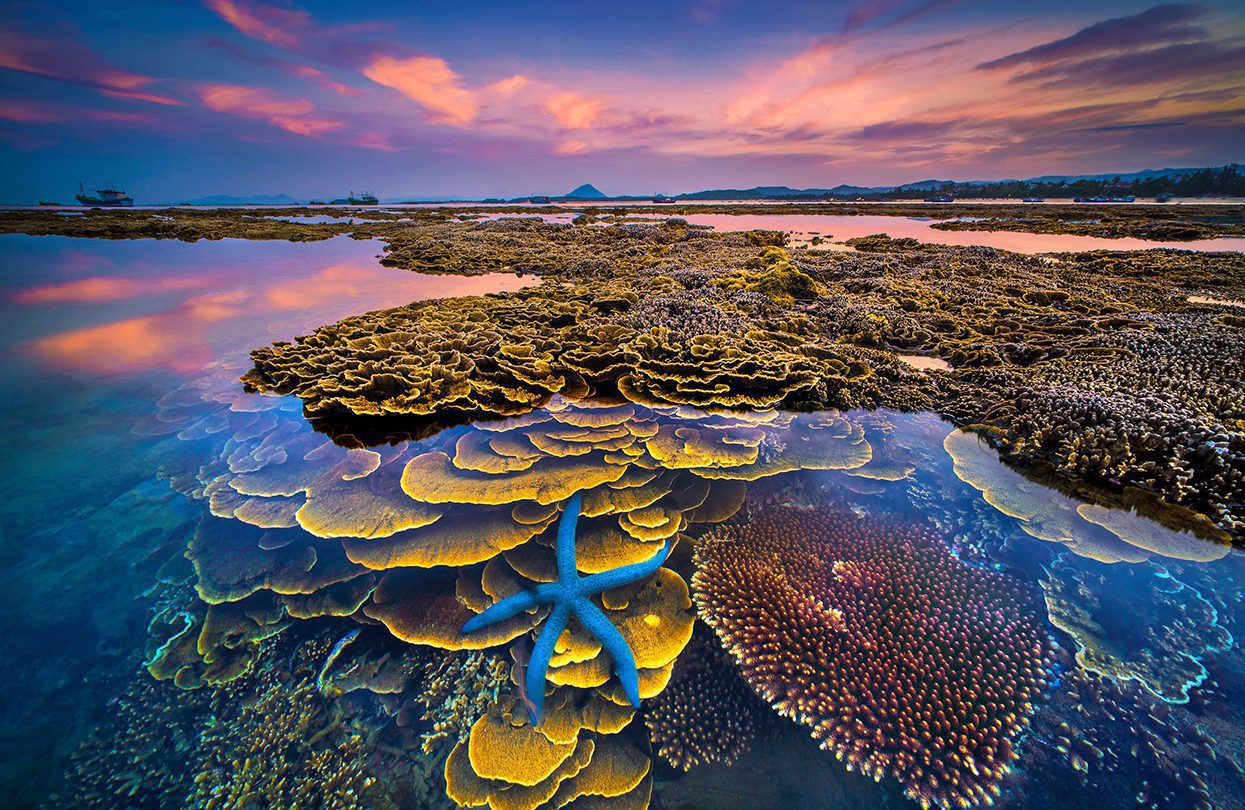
<point>92,335</point>
<point>149,502</point>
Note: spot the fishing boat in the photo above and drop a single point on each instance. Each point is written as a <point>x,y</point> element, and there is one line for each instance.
<point>366,198</point>
<point>662,198</point>
<point>539,200</point>
<point>108,197</point>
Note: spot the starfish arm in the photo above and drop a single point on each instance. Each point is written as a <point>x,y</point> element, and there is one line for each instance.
<point>507,608</point>
<point>599,625</point>
<point>567,572</point>
<point>626,574</point>
<point>538,665</point>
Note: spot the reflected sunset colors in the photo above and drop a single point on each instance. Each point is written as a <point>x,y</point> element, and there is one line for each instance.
<point>838,228</point>
<point>120,310</point>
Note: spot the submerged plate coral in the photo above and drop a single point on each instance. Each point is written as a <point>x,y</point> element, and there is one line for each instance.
<point>836,601</point>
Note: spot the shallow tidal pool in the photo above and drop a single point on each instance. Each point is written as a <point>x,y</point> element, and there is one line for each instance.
<point>206,600</point>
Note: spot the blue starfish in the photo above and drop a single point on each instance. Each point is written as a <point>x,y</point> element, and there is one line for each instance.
<point>570,595</point>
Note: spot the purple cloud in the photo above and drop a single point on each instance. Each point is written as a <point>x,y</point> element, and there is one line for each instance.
<point>1163,65</point>
<point>1173,22</point>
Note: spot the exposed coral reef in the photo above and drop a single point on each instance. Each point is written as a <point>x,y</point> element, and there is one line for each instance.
<point>1140,221</point>
<point>1076,362</point>
<point>501,356</point>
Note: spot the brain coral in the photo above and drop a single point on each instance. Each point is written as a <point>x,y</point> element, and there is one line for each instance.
<point>901,659</point>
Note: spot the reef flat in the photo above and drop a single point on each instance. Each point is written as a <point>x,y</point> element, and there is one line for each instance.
<point>1173,223</point>
<point>754,425</point>
<point>1096,367</point>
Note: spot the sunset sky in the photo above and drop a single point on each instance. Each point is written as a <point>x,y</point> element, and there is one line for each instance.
<point>184,99</point>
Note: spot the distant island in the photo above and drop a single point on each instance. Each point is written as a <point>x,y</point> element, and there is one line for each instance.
<point>258,199</point>
<point>1214,181</point>
<point>1222,181</point>
<point>586,192</point>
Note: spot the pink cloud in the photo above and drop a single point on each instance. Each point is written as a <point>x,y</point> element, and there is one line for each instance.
<point>120,117</point>
<point>571,147</point>
<point>292,115</point>
<point>379,141</point>
<point>271,24</point>
<point>324,80</point>
<point>75,64</point>
<point>574,111</point>
<point>428,81</point>
<point>27,113</point>
<point>123,346</point>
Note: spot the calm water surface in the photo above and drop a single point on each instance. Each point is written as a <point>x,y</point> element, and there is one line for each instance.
<point>127,441</point>
<point>92,335</point>
<point>838,228</point>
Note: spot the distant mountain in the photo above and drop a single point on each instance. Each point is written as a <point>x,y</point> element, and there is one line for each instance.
<point>850,191</point>
<point>779,192</point>
<point>921,185</point>
<point>585,192</point>
<point>1124,177</point>
<point>258,199</point>
<point>1179,180</point>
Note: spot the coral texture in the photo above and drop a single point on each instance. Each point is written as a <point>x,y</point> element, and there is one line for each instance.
<point>901,659</point>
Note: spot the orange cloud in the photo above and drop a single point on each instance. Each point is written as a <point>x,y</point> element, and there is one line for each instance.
<point>196,330</point>
<point>509,86</point>
<point>255,102</point>
<point>270,24</point>
<point>574,111</point>
<point>428,81</point>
